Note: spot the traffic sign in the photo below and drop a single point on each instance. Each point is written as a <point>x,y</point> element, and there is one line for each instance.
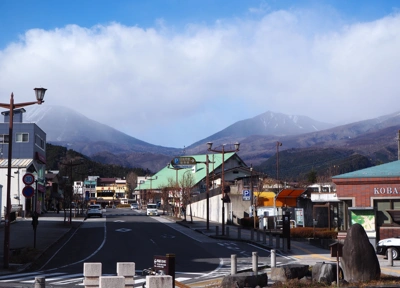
<point>183,162</point>
<point>28,191</point>
<point>246,195</point>
<point>28,179</point>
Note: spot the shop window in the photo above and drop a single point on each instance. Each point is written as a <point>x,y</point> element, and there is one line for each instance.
<point>382,206</point>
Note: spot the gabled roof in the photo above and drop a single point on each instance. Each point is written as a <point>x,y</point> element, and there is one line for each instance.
<point>388,170</point>
<point>161,178</point>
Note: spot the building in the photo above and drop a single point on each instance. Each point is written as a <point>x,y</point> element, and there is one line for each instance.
<point>28,156</point>
<point>371,197</point>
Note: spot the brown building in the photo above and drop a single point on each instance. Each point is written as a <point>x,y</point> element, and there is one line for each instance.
<point>371,197</point>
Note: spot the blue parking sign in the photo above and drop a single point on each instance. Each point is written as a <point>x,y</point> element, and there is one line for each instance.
<point>246,195</point>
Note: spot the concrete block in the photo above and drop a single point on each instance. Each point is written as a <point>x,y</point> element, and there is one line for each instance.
<point>112,282</point>
<point>164,281</point>
<point>91,273</point>
<point>127,270</point>
<point>92,269</point>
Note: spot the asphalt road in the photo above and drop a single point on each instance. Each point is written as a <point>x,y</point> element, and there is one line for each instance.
<point>124,235</point>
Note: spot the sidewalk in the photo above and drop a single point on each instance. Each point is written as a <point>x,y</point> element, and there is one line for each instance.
<point>50,230</point>
<point>301,251</point>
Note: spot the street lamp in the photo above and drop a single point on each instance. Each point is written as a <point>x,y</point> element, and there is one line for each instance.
<point>151,181</point>
<point>221,149</point>
<point>11,106</point>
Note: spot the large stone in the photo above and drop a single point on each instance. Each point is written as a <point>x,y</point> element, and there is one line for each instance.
<point>359,260</point>
<point>324,272</point>
<point>288,272</point>
<point>247,279</point>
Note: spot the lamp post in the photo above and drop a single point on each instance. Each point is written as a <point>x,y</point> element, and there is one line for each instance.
<point>11,106</point>
<point>151,181</point>
<point>277,178</point>
<point>277,163</point>
<point>71,164</point>
<point>207,162</point>
<point>222,150</point>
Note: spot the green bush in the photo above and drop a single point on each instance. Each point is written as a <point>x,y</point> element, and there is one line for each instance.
<point>248,222</point>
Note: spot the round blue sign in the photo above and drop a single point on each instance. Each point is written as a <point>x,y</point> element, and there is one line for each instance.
<point>28,191</point>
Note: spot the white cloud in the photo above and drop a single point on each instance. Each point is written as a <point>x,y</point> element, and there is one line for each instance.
<point>174,88</point>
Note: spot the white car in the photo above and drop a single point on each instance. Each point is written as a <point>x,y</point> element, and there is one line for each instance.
<point>134,206</point>
<point>95,210</point>
<point>383,246</point>
<point>152,210</point>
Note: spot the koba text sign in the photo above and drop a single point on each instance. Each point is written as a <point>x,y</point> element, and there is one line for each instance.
<point>386,190</point>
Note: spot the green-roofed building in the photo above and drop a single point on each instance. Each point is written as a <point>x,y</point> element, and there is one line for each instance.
<point>371,197</point>
<point>152,187</point>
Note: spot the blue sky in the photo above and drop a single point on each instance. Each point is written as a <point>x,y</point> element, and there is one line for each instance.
<point>179,71</point>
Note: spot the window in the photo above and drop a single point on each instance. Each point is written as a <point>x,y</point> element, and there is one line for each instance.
<point>21,137</point>
<point>381,206</point>
<point>39,141</point>
<point>4,138</point>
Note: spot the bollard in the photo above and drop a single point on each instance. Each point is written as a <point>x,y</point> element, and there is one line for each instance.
<point>227,231</point>
<point>159,281</point>
<point>239,233</point>
<point>390,256</point>
<point>233,264</point>
<point>216,230</point>
<point>127,270</point>
<point>264,237</point>
<point>277,242</point>
<point>273,258</point>
<point>270,239</point>
<point>40,282</point>
<point>91,273</point>
<point>258,235</point>
<point>255,263</point>
<point>112,282</point>
<point>251,234</point>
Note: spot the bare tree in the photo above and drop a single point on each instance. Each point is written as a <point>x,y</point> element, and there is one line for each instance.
<point>131,183</point>
<point>174,189</point>
<point>187,182</point>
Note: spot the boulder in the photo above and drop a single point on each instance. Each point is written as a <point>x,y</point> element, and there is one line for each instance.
<point>324,273</point>
<point>359,260</point>
<point>247,279</point>
<point>288,272</point>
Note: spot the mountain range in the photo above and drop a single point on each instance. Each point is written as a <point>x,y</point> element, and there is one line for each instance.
<point>374,139</point>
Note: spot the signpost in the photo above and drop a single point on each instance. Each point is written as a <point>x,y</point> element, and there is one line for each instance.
<point>183,162</point>
<point>166,264</point>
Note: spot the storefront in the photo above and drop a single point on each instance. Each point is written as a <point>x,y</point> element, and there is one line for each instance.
<point>371,197</point>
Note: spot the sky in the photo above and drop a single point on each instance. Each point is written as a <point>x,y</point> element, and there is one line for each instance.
<point>173,72</point>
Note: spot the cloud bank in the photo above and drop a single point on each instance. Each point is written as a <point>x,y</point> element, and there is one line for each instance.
<point>174,87</point>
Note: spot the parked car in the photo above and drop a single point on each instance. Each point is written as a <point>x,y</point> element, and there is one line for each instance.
<point>94,210</point>
<point>383,246</point>
<point>134,206</point>
<point>152,210</point>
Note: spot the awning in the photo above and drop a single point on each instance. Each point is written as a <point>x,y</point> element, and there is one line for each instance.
<point>288,197</point>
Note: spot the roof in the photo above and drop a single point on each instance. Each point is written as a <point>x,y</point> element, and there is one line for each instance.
<point>388,170</point>
<point>162,177</point>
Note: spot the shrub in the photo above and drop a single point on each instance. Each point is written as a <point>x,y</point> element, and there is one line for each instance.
<point>248,222</point>
<point>308,232</point>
